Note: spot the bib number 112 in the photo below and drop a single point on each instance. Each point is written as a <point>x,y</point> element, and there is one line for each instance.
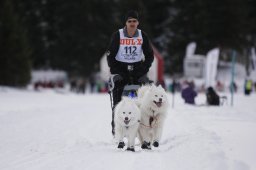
<point>130,49</point>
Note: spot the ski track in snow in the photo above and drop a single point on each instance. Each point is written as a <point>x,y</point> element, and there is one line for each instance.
<point>45,130</point>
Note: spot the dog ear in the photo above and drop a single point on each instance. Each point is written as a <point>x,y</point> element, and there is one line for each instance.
<point>153,86</point>
<point>137,102</point>
<point>125,100</point>
<point>160,86</point>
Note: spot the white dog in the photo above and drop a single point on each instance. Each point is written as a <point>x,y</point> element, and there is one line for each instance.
<point>153,104</point>
<point>127,118</point>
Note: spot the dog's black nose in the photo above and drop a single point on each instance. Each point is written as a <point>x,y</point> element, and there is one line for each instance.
<point>126,118</point>
<point>160,99</point>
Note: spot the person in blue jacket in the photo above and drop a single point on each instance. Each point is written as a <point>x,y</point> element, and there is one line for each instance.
<point>188,94</point>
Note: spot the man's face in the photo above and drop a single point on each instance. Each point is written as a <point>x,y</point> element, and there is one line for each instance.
<point>132,23</point>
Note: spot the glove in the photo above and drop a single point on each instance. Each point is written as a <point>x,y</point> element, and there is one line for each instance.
<point>144,80</point>
<point>117,77</point>
<point>140,71</point>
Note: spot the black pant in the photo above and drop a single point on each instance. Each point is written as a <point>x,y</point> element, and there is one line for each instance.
<point>117,96</point>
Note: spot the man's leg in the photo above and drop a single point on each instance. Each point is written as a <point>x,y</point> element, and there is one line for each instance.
<point>117,96</point>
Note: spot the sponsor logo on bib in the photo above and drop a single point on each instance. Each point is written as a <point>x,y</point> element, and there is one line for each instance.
<point>127,41</point>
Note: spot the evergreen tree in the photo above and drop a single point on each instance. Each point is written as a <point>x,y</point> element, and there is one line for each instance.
<point>32,14</point>
<point>73,35</point>
<point>252,22</point>
<point>14,50</point>
<point>157,14</point>
<point>219,23</point>
<point>83,33</point>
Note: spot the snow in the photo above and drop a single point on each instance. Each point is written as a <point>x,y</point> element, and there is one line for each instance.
<point>57,131</point>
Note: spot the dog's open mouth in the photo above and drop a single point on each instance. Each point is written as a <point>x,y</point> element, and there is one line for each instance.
<point>158,104</point>
<point>126,122</point>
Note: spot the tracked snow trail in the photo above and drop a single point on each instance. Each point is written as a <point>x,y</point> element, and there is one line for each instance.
<point>47,130</point>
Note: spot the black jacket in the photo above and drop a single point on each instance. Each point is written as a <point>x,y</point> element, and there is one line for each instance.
<point>139,68</point>
<point>212,97</point>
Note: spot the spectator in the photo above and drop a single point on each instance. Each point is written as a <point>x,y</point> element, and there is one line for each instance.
<point>188,94</point>
<point>212,97</point>
<point>248,86</point>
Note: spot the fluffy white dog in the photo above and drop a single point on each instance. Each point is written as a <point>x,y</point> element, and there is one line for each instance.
<point>153,104</point>
<point>127,118</point>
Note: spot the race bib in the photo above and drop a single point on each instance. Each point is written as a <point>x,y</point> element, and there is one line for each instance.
<point>130,49</point>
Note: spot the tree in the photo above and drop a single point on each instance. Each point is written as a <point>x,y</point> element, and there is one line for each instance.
<point>219,23</point>
<point>73,35</point>
<point>14,49</point>
<point>83,32</point>
<point>252,22</point>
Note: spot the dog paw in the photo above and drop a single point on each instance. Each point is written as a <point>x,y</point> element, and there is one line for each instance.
<point>121,145</point>
<point>130,149</point>
<point>155,144</point>
<point>146,145</point>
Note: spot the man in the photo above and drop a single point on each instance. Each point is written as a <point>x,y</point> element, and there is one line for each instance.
<point>125,59</point>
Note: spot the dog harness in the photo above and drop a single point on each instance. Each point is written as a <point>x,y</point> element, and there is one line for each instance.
<point>151,119</point>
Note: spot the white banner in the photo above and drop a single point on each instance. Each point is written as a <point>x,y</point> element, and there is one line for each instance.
<point>190,50</point>
<point>211,67</point>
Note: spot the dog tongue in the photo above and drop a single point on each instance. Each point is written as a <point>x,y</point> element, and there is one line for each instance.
<point>159,104</point>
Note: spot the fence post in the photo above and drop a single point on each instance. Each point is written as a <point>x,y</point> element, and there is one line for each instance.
<point>232,76</point>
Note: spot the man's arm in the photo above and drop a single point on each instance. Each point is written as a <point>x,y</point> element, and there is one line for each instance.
<point>111,53</point>
<point>147,50</point>
<point>149,57</point>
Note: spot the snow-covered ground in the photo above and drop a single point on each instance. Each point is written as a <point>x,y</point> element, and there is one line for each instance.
<point>64,131</point>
